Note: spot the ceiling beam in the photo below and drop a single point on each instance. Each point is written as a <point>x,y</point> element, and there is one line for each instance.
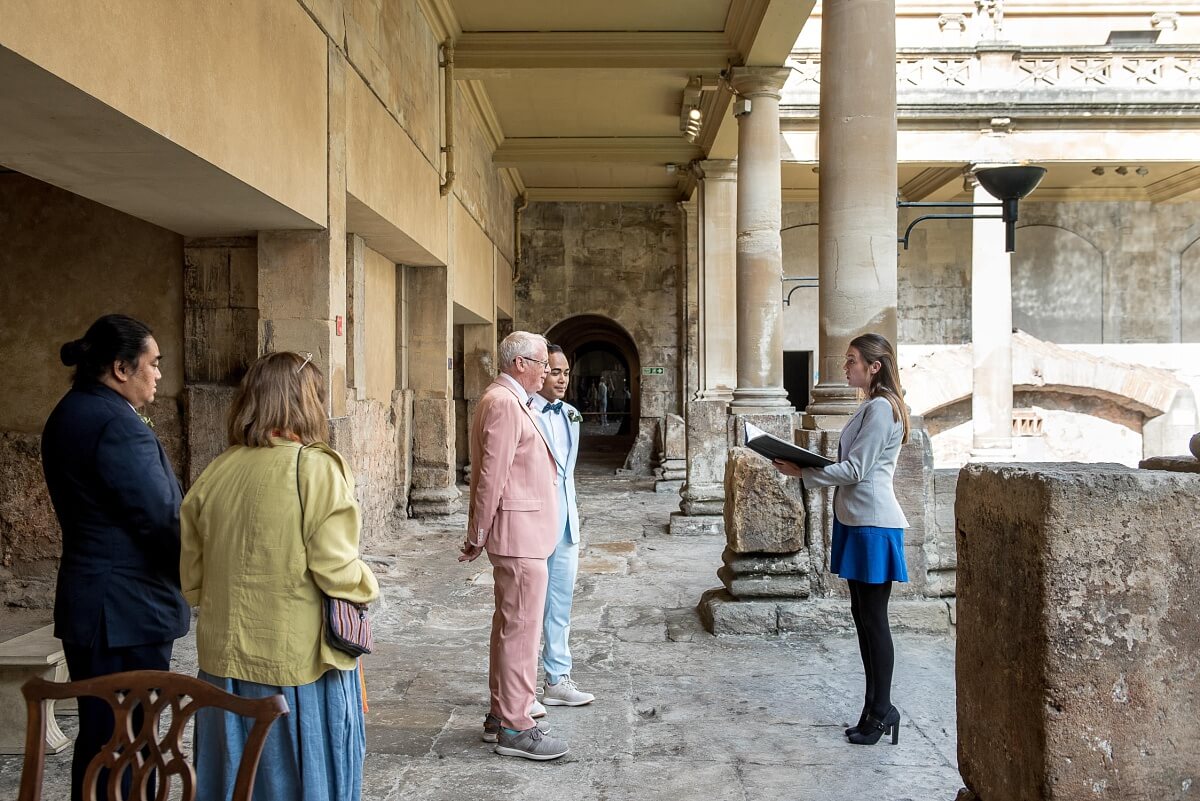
<point>604,194</point>
<point>596,150</point>
<point>1174,186</point>
<point>502,54</point>
<point>931,181</point>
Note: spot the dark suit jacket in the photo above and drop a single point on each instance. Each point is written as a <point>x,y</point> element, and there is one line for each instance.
<point>117,500</point>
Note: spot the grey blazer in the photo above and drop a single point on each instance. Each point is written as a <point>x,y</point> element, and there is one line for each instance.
<point>867,454</point>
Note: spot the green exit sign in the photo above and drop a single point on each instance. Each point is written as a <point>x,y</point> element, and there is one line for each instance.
<point>652,370</point>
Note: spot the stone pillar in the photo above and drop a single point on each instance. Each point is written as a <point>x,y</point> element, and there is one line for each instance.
<point>673,455</point>
<point>857,213</point>
<point>431,373</point>
<point>991,338</point>
<point>479,369</point>
<point>702,506</point>
<point>718,279</point>
<point>691,330</point>
<point>1085,576</point>
<point>759,250</point>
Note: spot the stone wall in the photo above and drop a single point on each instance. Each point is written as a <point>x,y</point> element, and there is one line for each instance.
<point>617,260</point>
<point>66,261</point>
<point>1083,272</point>
<point>1078,659</point>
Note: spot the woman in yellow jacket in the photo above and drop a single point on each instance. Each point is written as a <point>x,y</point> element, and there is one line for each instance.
<point>257,566</point>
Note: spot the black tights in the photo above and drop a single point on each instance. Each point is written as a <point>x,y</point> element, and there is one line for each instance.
<point>869,607</point>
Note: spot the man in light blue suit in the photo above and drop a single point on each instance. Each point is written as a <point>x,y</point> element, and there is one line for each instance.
<point>559,421</point>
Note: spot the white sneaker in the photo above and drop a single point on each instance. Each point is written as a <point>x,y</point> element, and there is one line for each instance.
<point>565,693</point>
<point>537,710</point>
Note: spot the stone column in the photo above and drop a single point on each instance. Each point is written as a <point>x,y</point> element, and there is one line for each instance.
<point>991,338</point>
<point>479,368</point>
<point>759,250</point>
<point>431,339</point>
<point>718,279</point>
<point>857,214</point>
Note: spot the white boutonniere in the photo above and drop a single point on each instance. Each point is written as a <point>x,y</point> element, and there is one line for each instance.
<point>574,416</point>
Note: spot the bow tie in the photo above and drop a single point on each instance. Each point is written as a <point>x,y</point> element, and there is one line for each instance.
<point>553,407</point>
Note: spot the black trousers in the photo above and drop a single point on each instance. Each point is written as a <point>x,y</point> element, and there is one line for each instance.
<point>869,608</point>
<point>95,715</point>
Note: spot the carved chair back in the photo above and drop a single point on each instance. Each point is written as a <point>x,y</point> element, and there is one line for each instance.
<point>140,746</point>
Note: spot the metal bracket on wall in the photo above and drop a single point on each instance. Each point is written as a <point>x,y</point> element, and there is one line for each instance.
<point>803,282</point>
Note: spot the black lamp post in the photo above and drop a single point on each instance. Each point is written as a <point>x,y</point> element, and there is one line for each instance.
<point>1006,184</point>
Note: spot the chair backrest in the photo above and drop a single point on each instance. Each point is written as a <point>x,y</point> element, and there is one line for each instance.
<point>141,751</point>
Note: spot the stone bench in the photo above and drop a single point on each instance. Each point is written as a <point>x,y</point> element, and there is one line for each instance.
<point>35,653</point>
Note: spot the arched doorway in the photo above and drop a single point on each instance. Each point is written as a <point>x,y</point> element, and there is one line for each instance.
<point>605,381</point>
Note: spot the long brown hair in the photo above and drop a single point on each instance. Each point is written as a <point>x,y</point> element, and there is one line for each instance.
<point>885,383</point>
<point>282,393</point>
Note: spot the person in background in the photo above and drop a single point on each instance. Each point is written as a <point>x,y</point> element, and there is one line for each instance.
<point>269,529</point>
<point>559,422</point>
<point>868,524</point>
<point>117,603</point>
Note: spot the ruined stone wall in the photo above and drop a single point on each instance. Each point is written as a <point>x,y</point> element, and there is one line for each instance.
<point>65,262</point>
<point>1083,272</point>
<point>618,260</point>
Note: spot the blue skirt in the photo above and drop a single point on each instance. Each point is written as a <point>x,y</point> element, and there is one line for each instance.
<point>868,554</point>
<point>314,753</point>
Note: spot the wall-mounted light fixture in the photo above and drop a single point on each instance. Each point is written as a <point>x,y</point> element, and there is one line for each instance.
<point>691,117</point>
<point>1006,184</point>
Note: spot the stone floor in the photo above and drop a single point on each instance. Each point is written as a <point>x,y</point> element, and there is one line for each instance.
<point>679,714</point>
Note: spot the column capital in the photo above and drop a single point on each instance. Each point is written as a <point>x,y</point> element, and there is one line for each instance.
<point>759,81</point>
<point>716,169</point>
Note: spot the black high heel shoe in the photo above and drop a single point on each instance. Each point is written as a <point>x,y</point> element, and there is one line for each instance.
<point>862,720</point>
<point>874,728</point>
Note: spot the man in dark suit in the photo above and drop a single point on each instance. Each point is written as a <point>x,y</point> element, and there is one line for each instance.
<point>118,605</point>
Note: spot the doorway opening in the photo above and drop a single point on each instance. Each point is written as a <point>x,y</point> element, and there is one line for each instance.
<point>605,384</point>
<point>797,377</point>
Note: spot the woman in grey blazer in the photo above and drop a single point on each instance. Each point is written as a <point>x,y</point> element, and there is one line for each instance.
<point>868,525</point>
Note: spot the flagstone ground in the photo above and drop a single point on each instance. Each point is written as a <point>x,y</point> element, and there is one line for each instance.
<point>679,714</point>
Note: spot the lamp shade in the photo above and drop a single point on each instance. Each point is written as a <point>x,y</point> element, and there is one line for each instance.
<point>1010,183</point>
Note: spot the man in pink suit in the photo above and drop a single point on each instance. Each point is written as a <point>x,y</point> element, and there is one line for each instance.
<point>514,516</point>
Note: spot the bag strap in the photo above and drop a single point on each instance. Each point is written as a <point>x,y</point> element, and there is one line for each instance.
<point>299,496</point>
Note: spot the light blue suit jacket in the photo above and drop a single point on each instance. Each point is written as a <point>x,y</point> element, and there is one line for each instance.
<point>564,459</point>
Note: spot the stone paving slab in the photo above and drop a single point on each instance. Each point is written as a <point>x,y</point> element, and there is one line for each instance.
<point>679,713</point>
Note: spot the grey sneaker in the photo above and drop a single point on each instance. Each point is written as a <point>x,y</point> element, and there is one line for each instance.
<point>491,728</point>
<point>530,744</point>
<point>566,693</point>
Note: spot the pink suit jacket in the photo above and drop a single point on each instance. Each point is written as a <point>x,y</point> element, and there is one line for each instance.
<point>514,493</point>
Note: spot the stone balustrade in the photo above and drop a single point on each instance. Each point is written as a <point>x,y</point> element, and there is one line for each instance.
<point>1156,74</point>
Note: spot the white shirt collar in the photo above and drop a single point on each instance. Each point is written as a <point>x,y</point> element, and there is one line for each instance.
<point>521,393</point>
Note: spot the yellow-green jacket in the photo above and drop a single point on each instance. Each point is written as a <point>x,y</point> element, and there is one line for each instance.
<point>257,582</point>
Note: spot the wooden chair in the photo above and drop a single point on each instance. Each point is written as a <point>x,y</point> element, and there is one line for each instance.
<point>144,752</point>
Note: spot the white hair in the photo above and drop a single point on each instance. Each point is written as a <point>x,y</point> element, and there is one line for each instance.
<point>519,343</point>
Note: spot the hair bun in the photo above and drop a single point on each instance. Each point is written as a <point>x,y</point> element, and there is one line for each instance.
<point>72,352</point>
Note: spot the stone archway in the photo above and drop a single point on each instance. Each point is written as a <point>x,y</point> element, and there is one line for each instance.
<point>592,334</point>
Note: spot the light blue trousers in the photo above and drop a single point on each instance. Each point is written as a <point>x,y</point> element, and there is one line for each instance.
<point>562,566</point>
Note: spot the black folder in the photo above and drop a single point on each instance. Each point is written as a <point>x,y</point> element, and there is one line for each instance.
<point>772,447</point>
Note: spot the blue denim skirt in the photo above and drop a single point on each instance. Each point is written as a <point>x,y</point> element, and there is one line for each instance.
<point>868,554</point>
<point>313,753</point>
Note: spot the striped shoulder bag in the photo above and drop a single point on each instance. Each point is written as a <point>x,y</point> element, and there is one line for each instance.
<point>347,626</point>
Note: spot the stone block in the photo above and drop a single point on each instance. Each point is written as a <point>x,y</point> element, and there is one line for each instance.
<point>722,614</point>
<point>29,532</point>
<point>205,411</point>
<point>1175,464</point>
<point>768,585</point>
<point>668,486</point>
<point>206,277</point>
<point>1078,643</point>
<point>683,525</point>
<point>764,512</point>
<point>674,438</point>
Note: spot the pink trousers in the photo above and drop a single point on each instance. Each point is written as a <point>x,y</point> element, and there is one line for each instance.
<point>516,629</point>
